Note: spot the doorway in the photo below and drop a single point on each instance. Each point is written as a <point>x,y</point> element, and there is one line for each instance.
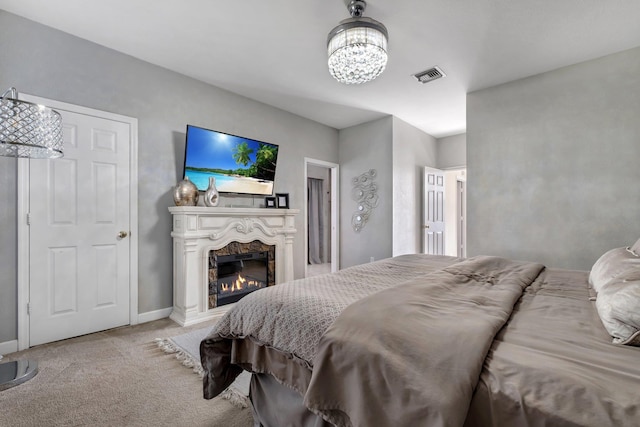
<point>456,212</point>
<point>445,212</point>
<point>321,217</point>
<point>434,232</point>
<point>77,248</point>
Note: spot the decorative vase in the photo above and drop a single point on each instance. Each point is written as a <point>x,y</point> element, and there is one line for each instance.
<point>211,196</point>
<point>185,193</point>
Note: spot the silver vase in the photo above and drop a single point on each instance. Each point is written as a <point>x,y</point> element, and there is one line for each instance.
<point>185,193</point>
<point>211,196</point>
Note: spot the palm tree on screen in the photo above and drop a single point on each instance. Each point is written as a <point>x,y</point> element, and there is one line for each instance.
<point>266,161</point>
<point>242,154</point>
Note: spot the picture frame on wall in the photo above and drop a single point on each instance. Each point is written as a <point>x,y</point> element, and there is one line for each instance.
<point>282,200</point>
<point>270,202</point>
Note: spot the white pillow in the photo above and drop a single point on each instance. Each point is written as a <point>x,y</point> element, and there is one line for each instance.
<point>612,264</point>
<point>618,305</point>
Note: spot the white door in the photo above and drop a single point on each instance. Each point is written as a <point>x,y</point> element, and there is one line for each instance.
<point>78,232</point>
<point>433,223</point>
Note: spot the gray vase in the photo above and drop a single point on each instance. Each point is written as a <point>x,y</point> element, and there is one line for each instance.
<point>211,196</point>
<point>185,193</point>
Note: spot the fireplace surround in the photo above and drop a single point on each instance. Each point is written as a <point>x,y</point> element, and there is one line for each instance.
<point>199,230</point>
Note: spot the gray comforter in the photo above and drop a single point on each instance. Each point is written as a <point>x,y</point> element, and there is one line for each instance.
<point>392,344</point>
<point>287,321</point>
<point>412,355</point>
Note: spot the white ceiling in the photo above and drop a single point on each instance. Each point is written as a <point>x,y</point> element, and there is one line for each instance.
<point>274,51</point>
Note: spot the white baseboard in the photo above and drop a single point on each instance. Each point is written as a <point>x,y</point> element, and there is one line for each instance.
<point>150,316</point>
<point>8,347</point>
<point>12,346</point>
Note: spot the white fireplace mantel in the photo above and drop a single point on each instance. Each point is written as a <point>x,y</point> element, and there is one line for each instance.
<point>198,230</point>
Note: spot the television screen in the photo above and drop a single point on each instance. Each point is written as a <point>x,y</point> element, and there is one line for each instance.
<point>240,165</point>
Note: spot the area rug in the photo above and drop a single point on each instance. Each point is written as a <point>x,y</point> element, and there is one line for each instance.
<point>187,350</point>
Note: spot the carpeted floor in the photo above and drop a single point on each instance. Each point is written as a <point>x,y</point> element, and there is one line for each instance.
<point>186,347</point>
<point>117,377</point>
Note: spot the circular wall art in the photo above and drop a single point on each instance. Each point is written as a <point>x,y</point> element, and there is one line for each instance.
<point>365,193</point>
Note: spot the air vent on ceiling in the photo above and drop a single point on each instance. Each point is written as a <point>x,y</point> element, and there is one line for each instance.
<point>429,75</point>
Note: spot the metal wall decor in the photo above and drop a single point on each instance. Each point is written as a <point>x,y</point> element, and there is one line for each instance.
<point>365,193</point>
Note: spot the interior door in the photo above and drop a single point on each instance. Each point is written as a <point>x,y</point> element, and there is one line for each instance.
<point>433,223</point>
<point>78,232</point>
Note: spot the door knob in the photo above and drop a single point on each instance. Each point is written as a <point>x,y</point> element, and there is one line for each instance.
<point>426,226</point>
<point>122,234</point>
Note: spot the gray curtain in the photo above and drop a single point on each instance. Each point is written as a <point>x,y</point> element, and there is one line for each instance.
<point>316,221</point>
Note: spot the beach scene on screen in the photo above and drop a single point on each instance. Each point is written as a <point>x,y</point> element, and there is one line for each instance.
<point>239,165</point>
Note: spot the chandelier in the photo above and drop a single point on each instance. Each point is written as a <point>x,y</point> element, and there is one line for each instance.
<point>357,47</point>
<point>27,129</point>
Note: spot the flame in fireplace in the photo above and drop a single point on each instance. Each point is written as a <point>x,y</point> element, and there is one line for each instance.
<point>239,284</point>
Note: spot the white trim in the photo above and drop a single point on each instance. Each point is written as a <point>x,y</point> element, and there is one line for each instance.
<point>23,253</point>
<point>8,347</point>
<point>450,168</point>
<point>150,316</point>
<point>23,209</point>
<point>335,209</point>
<point>461,216</point>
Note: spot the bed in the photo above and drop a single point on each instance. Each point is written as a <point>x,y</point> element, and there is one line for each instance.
<point>420,340</point>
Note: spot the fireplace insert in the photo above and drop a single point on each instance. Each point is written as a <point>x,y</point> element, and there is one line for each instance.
<point>240,274</point>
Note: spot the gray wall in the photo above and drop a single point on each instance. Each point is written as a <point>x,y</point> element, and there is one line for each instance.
<point>44,62</point>
<point>553,163</point>
<point>452,152</point>
<point>363,147</point>
<point>412,151</point>
<point>398,151</point>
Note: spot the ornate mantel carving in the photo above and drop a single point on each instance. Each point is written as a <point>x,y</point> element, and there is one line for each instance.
<point>244,226</point>
<point>198,230</point>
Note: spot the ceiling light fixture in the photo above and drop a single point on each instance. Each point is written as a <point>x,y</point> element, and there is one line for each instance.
<point>27,129</point>
<point>357,47</point>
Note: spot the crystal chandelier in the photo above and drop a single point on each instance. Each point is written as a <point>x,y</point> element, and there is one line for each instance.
<point>27,129</point>
<point>357,47</point>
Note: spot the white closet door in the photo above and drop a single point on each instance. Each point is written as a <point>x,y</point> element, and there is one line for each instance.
<point>78,232</point>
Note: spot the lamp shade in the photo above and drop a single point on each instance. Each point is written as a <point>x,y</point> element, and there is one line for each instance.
<point>357,50</point>
<point>28,129</point>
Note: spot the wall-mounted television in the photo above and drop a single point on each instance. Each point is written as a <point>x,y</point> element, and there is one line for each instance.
<point>240,165</point>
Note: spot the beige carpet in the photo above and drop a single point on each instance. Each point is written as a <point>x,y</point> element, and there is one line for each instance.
<point>114,378</point>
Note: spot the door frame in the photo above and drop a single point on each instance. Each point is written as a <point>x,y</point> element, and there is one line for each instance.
<point>461,215</point>
<point>335,209</point>
<point>23,209</point>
